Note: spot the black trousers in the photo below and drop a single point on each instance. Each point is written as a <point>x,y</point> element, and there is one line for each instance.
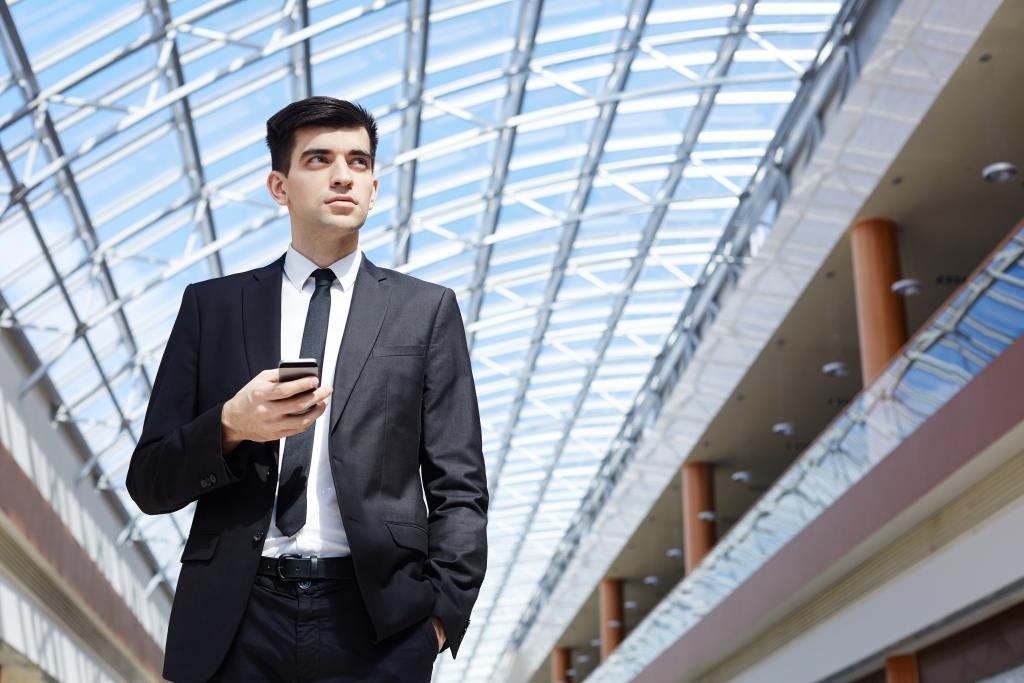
<point>319,630</point>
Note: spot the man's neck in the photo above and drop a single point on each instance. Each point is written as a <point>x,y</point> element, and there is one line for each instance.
<point>323,254</point>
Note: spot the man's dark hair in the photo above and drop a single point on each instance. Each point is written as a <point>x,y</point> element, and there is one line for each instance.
<point>314,111</point>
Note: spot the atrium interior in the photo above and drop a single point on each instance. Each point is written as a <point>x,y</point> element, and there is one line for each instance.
<point>742,283</point>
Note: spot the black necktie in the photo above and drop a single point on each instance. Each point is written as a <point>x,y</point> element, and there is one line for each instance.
<point>298,449</point>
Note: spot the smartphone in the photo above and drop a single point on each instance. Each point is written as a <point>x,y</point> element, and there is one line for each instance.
<point>288,370</point>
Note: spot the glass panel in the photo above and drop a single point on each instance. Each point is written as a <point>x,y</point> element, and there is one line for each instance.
<point>546,262</point>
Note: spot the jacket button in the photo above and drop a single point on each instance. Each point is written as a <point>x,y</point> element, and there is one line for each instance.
<point>204,482</point>
<point>257,537</point>
<point>212,478</point>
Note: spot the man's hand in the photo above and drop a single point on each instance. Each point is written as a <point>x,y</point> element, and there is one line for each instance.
<point>438,631</point>
<point>260,410</point>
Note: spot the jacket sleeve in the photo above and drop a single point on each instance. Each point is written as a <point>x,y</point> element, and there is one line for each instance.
<point>179,455</point>
<point>454,475</point>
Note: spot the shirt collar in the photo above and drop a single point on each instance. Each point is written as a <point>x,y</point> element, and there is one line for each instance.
<point>298,269</point>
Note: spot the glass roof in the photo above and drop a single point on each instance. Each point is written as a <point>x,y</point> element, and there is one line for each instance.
<point>567,168</point>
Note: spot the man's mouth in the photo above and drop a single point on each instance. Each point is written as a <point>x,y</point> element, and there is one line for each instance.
<point>341,200</point>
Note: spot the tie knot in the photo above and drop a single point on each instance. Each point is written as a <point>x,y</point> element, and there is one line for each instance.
<point>323,277</point>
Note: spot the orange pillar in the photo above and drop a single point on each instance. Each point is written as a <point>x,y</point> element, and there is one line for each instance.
<point>881,319</point>
<point>560,665</point>
<point>698,497</point>
<point>901,669</point>
<point>610,599</point>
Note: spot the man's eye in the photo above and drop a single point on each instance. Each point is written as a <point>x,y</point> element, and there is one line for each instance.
<point>318,157</point>
<point>360,160</point>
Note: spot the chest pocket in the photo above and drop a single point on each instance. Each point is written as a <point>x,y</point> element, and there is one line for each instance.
<point>407,350</point>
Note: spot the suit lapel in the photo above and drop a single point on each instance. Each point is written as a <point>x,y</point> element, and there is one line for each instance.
<point>370,296</point>
<point>261,318</point>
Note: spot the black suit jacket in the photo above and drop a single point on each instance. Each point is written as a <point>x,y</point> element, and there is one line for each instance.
<point>403,400</point>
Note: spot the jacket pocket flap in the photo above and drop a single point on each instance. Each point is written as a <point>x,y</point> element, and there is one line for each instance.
<point>410,350</point>
<point>411,536</point>
<point>200,547</point>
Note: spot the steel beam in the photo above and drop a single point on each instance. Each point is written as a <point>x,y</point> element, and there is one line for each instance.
<point>519,74</point>
<point>628,44</point>
<point>416,42</point>
<point>768,184</point>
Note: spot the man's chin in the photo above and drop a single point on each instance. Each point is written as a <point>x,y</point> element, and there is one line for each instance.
<point>342,227</point>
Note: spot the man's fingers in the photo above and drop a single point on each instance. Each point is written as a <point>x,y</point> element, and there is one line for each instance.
<point>300,402</point>
<point>270,403</point>
<point>293,424</point>
<point>298,410</point>
<point>295,386</point>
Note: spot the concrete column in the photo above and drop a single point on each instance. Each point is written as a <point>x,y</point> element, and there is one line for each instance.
<point>698,497</point>
<point>560,657</point>
<point>881,318</point>
<point>610,599</point>
<point>901,669</point>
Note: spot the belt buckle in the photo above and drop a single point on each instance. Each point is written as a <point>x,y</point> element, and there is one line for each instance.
<point>288,556</point>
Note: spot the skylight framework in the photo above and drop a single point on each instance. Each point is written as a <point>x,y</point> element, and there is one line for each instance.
<point>567,168</point>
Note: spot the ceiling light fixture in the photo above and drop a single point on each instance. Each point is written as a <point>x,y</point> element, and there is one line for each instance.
<point>836,368</point>
<point>741,476</point>
<point>783,428</point>
<point>908,286</point>
<point>1000,172</point>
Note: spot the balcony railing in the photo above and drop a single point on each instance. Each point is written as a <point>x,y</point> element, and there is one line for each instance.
<point>980,320</point>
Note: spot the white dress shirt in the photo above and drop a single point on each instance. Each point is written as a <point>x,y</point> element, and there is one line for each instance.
<point>323,534</point>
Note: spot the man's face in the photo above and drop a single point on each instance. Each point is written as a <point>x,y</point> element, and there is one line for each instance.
<point>330,186</point>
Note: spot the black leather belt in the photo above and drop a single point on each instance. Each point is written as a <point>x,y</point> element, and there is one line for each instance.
<point>295,567</point>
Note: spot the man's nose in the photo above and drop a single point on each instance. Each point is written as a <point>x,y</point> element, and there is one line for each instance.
<point>341,174</point>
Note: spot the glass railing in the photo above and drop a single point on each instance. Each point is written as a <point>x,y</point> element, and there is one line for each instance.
<point>983,318</point>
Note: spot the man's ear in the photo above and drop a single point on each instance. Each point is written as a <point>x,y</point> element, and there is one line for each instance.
<point>277,185</point>
<point>373,192</point>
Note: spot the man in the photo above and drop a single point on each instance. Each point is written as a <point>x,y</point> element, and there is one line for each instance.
<point>312,555</point>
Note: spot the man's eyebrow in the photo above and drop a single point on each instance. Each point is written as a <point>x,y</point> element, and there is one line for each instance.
<point>313,152</point>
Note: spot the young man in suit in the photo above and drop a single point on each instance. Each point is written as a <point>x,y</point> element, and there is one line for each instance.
<point>340,529</point>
